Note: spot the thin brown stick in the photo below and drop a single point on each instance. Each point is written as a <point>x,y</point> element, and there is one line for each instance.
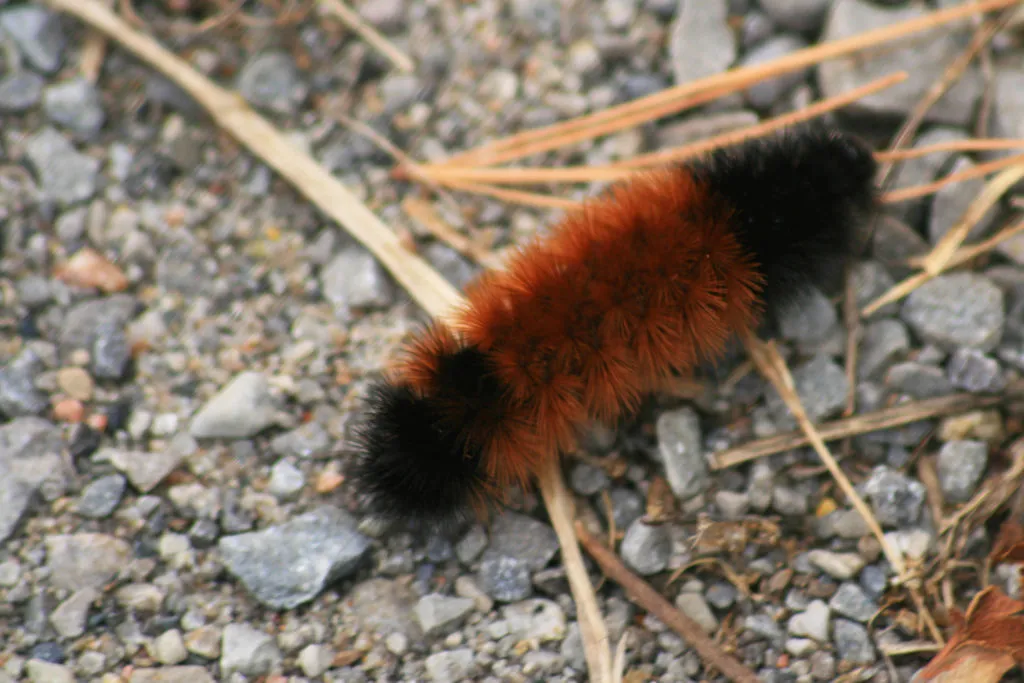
<point>865,423</point>
<point>925,189</point>
<point>368,33</point>
<point>649,599</point>
<point>730,81</point>
<point>851,316</point>
<point>982,36</point>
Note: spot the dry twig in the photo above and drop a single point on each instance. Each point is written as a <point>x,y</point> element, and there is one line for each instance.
<point>368,33</point>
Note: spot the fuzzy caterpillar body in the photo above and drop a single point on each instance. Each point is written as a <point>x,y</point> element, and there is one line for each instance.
<point>640,283</point>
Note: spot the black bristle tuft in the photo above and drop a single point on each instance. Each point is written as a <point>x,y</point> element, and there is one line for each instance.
<point>416,462</point>
<point>799,200</point>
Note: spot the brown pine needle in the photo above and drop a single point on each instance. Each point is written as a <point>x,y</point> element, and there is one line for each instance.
<point>424,213</point>
<point>611,172</point>
<point>925,189</point>
<point>982,37</point>
<point>368,33</point>
<point>554,136</point>
<point>975,145</point>
<point>815,110</point>
<point>945,254</point>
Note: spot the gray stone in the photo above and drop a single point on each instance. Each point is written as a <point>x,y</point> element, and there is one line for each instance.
<point>696,607</point>
<point>840,566</point>
<point>884,341</point>
<point>850,601</point>
<point>537,620</point>
<point>85,560</point>
<point>922,170</point>
<point>287,565</point>
<point>809,320</point>
<point>19,396</point>
<point>789,502</point>
<point>247,651</point>
<point>646,548</point>
<point>852,642</point>
<point>1008,103</point>
<point>796,15</point>
<point>172,674</point>
<point>40,671</point>
<point>972,370</point>
<point>385,607</point>
<point>821,386</point>
<point>20,91</point>
<point>243,408</point>
<point>923,59</point>
<point>812,622</point>
<point>65,175</point>
<point>700,40</point>
<point>627,506</point>
<point>309,440</point>
<point>144,470</point>
<point>315,659</point>
<point>516,535</point>
<point>355,280</point>
<point>504,578</point>
<point>959,309</point>
<point>450,666</point>
<point>387,15</point>
<point>70,616</point>
<point>169,647</point>
<point>39,34</point>
<point>437,612</point>
<point>870,281</point>
<point>950,203</point>
<point>680,451</point>
<point>286,480</point>
<point>769,91</point>
<point>961,465</point>
<point>895,499</point>
<point>75,104</point>
<point>587,480</point>
<point>850,524</point>
<point>98,326</point>
<point>918,380</point>
<point>456,269</point>
<point>30,464</point>
<point>101,497</point>
<point>732,504</point>
<point>399,91</point>
<point>471,545</point>
<point>764,626</point>
<point>270,80</point>
<point>894,242</point>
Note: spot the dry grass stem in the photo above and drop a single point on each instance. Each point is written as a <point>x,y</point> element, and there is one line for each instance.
<point>611,119</point>
<point>368,33</point>
<point>774,368</point>
<point>974,145</point>
<point>865,423</point>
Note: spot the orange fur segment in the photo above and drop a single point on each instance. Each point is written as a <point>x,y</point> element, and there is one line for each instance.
<point>637,284</point>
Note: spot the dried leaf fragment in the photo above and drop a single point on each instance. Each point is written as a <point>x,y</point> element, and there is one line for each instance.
<point>988,642</point>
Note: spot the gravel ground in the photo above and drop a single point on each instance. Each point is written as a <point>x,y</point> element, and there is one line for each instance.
<point>173,430</point>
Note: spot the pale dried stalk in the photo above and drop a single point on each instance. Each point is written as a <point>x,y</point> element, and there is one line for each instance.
<point>944,254</point>
<point>445,172</point>
<point>554,136</point>
<point>355,22</point>
<point>231,113</point>
<point>898,415</point>
<point>973,145</point>
<point>773,367</point>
